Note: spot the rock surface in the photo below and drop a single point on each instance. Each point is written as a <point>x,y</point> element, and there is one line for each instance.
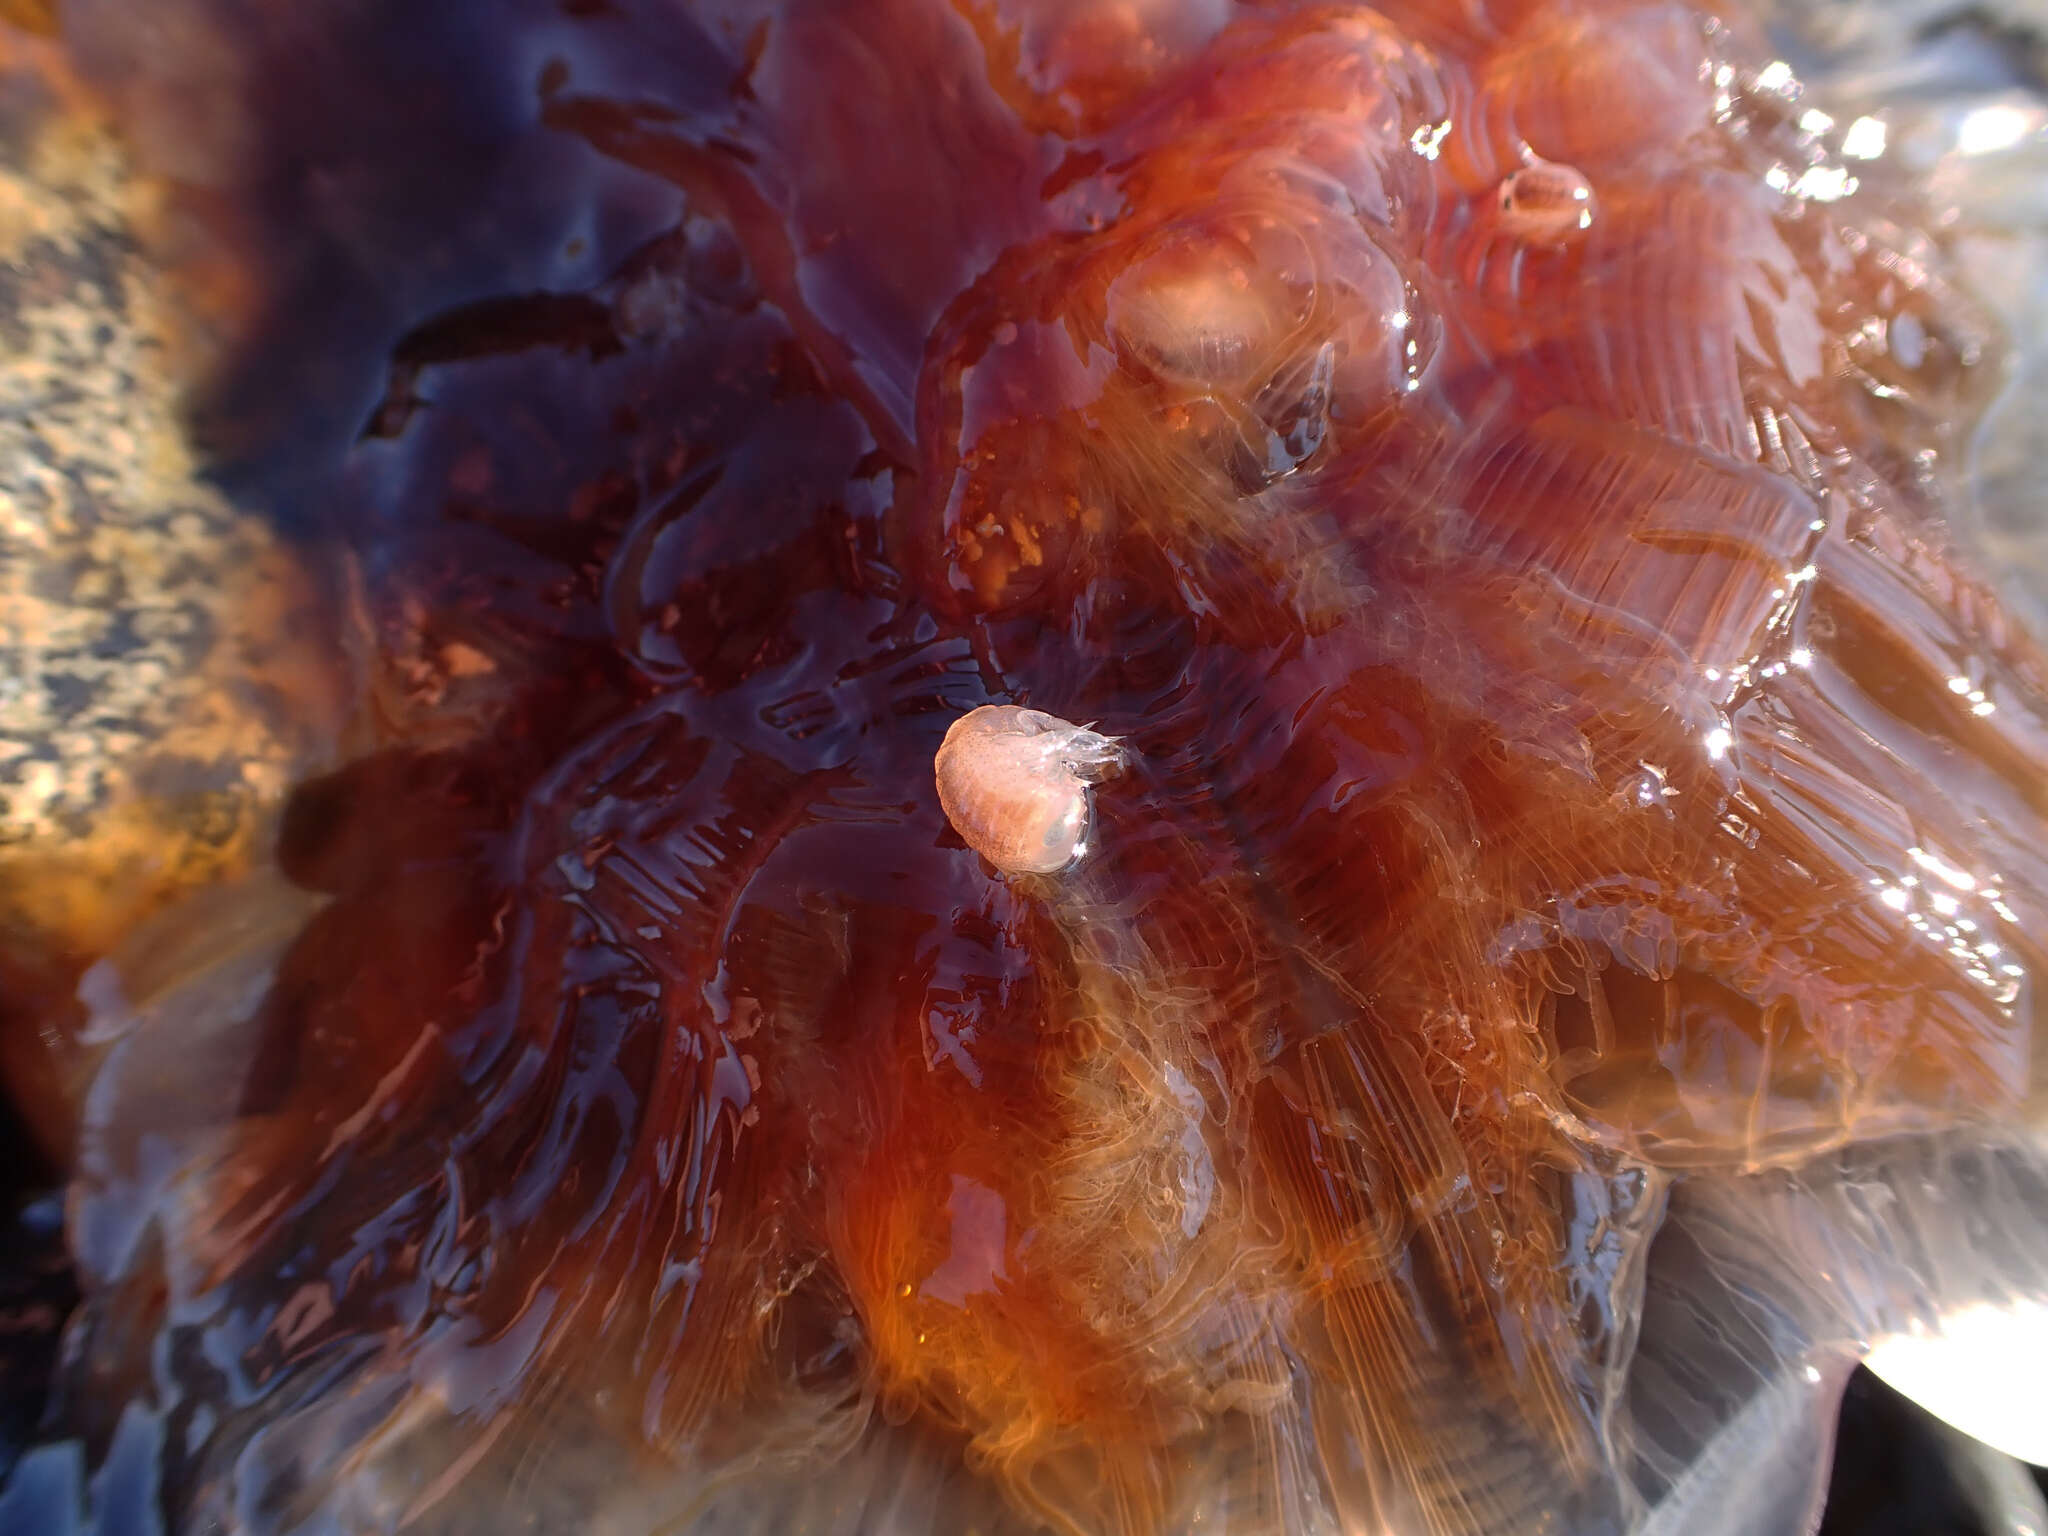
<point>158,646</point>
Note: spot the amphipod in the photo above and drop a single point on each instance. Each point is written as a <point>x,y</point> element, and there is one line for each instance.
<point>1015,785</point>
<point>1547,204</point>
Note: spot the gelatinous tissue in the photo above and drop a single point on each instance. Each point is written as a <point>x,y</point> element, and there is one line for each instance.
<point>1527,971</point>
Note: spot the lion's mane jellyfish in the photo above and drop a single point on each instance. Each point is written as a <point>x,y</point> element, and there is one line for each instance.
<point>1535,970</point>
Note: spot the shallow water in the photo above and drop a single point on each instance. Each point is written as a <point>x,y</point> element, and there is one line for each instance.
<point>1492,466</point>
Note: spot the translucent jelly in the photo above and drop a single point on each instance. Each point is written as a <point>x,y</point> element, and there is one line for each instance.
<point>1484,462</point>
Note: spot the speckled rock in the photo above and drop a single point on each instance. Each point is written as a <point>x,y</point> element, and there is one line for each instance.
<point>164,672</point>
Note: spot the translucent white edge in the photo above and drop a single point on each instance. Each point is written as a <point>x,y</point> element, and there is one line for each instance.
<point>1985,1372</point>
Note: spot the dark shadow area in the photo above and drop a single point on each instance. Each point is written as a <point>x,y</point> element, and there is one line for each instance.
<point>1893,1475</point>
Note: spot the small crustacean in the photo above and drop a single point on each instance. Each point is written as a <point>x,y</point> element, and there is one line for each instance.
<point>1546,204</point>
<point>1014,783</point>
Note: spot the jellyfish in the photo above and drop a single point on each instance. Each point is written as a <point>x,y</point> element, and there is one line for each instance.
<point>1529,972</point>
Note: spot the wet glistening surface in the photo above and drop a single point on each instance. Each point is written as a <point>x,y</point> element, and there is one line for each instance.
<point>1488,466</point>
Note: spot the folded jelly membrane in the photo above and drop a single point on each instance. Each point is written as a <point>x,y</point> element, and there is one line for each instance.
<point>1550,983</point>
